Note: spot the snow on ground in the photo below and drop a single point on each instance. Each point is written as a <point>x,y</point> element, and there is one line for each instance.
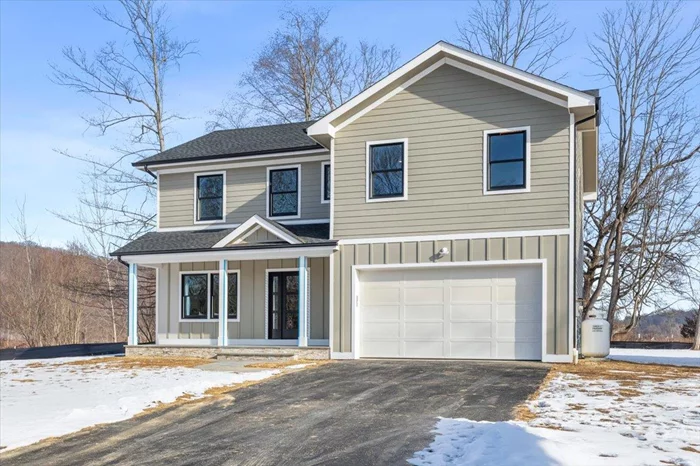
<point>655,356</point>
<point>48,398</point>
<point>641,418</point>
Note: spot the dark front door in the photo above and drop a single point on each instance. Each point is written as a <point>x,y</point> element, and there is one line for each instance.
<point>283,305</point>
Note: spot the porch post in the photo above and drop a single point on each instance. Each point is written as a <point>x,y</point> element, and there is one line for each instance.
<point>133,323</point>
<point>223,302</point>
<point>303,302</point>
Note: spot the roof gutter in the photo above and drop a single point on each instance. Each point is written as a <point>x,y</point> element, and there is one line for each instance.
<point>145,168</point>
<point>595,115</point>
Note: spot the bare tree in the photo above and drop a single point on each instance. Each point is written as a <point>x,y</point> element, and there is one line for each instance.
<point>638,233</point>
<point>301,74</point>
<point>128,83</point>
<point>524,33</point>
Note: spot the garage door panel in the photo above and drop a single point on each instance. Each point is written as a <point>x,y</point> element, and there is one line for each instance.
<point>470,294</point>
<point>480,312</point>
<point>470,330</point>
<point>423,349</point>
<point>381,330</point>
<point>426,295</point>
<point>431,330</point>
<point>381,348</point>
<point>513,311</point>
<point>375,313</point>
<point>470,349</point>
<point>382,295</point>
<point>524,350</point>
<point>518,330</point>
<point>468,312</point>
<point>424,312</point>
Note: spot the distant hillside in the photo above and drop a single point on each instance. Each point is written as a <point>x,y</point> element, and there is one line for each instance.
<point>658,326</point>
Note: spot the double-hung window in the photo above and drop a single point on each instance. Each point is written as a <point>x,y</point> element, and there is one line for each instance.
<point>506,159</point>
<point>283,192</point>
<point>386,167</point>
<point>200,296</point>
<point>210,197</point>
<point>325,182</point>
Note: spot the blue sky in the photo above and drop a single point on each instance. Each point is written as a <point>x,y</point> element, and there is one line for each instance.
<point>37,117</point>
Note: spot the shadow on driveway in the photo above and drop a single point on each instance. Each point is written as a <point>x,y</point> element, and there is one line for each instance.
<point>351,412</point>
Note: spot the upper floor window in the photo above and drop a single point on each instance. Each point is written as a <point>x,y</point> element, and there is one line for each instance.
<point>210,197</point>
<point>325,182</point>
<point>506,160</point>
<point>386,167</point>
<point>283,192</point>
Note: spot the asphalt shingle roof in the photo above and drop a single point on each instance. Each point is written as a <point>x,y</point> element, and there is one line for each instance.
<point>202,240</point>
<point>238,143</point>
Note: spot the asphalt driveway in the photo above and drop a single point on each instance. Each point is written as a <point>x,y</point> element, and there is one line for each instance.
<point>351,412</point>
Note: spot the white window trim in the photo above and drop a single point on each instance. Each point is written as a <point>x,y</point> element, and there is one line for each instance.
<point>209,273</point>
<point>223,201</point>
<point>323,183</point>
<point>528,161</point>
<point>267,192</point>
<point>368,172</point>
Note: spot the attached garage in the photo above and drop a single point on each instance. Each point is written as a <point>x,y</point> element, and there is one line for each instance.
<point>477,311</point>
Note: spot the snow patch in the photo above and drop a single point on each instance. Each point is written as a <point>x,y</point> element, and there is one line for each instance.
<point>657,356</point>
<point>45,398</point>
<point>583,422</point>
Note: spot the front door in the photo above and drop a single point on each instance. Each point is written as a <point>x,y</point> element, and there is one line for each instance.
<point>283,305</point>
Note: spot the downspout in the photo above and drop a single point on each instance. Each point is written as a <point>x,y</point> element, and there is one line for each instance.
<point>145,168</point>
<point>595,115</point>
<point>119,258</point>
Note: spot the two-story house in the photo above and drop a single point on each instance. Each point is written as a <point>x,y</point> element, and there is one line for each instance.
<point>435,215</point>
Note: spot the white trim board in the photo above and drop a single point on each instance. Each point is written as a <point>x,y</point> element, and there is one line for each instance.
<point>485,67</point>
<point>267,192</point>
<point>486,165</point>
<point>212,342</point>
<point>238,162</point>
<point>208,273</point>
<point>368,171</point>
<point>258,222</point>
<point>237,255</point>
<point>355,291</point>
<point>458,236</point>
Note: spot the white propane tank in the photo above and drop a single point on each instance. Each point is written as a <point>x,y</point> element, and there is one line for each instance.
<point>595,337</point>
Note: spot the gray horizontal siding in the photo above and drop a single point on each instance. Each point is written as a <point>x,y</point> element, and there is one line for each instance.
<point>253,302</point>
<point>245,195</point>
<point>443,116</point>
<point>555,249</point>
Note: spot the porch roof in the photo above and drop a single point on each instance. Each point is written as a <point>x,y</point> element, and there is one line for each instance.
<point>161,242</point>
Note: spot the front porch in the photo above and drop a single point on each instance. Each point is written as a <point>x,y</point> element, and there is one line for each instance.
<point>243,352</point>
<point>258,296</point>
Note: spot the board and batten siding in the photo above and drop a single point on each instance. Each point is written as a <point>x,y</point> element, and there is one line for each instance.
<point>554,249</point>
<point>246,190</point>
<point>253,300</point>
<point>443,116</point>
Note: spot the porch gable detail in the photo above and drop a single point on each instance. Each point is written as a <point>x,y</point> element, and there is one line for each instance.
<point>253,225</point>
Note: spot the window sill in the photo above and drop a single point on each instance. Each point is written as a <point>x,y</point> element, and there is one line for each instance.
<point>387,199</point>
<point>202,321</point>
<point>506,191</point>
<point>283,217</point>
<point>209,222</point>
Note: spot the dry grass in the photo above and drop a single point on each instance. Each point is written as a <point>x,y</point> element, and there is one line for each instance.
<point>691,449</point>
<point>135,362</point>
<point>287,363</point>
<point>24,380</point>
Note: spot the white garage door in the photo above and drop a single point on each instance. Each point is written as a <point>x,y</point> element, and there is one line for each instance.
<point>490,312</point>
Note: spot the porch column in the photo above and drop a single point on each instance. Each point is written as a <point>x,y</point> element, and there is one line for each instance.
<point>303,302</point>
<point>223,302</point>
<point>133,322</point>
